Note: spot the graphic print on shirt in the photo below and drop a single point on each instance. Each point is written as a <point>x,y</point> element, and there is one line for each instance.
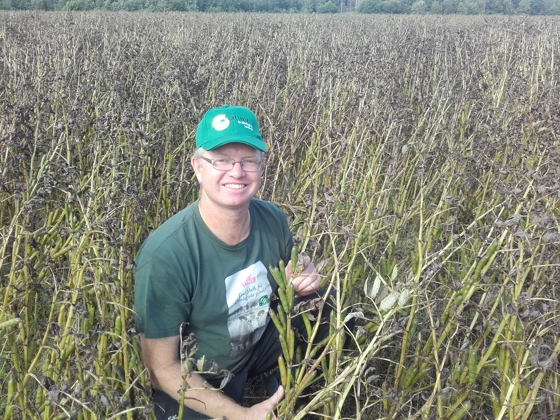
<point>248,299</point>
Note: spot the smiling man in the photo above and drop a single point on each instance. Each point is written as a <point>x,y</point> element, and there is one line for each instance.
<point>203,275</point>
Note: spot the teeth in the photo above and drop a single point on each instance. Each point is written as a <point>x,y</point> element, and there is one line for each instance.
<point>235,186</point>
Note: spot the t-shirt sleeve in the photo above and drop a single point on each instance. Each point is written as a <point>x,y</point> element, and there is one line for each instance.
<point>161,300</point>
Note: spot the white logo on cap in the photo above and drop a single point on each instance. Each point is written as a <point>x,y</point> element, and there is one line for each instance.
<point>220,122</point>
<point>246,125</point>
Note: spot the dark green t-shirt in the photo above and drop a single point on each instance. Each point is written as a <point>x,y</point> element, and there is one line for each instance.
<point>184,273</point>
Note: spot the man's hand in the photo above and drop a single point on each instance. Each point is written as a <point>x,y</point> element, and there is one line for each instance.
<point>260,411</point>
<point>307,280</point>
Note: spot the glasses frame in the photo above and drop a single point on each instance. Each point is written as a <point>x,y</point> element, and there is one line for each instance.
<point>233,162</point>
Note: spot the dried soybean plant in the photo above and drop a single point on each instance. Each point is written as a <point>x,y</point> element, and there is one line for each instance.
<point>417,159</point>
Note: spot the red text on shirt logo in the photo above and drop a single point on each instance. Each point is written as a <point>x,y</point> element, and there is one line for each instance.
<point>250,280</point>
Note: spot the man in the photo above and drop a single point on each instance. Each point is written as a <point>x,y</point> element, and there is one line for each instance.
<point>205,272</point>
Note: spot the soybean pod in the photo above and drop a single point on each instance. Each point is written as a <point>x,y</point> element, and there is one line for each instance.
<point>411,332</point>
<point>485,260</point>
<point>276,321</point>
<point>409,376</point>
<point>278,277</point>
<point>10,323</point>
<point>290,295</point>
<point>307,323</point>
<point>282,274</point>
<point>283,311</point>
<point>291,343</point>
<point>284,345</point>
<point>464,410</point>
<point>282,369</point>
<point>473,362</point>
<point>284,301</point>
<point>294,259</point>
<point>11,387</point>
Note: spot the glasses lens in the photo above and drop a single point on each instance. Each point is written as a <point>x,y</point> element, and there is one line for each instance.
<point>223,164</point>
<point>251,165</point>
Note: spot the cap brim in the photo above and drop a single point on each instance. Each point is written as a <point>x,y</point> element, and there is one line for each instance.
<point>249,141</point>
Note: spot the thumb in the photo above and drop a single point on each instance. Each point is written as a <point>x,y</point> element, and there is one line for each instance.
<point>288,270</point>
<point>277,396</point>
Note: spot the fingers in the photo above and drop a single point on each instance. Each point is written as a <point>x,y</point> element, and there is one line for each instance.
<point>306,291</point>
<point>272,402</point>
<point>307,279</point>
<point>302,266</point>
<point>288,270</point>
<point>307,282</point>
<point>278,395</point>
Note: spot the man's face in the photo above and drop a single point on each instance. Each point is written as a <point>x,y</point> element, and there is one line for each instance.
<point>230,188</point>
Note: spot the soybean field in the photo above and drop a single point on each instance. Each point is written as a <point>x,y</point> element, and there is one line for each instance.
<point>417,158</point>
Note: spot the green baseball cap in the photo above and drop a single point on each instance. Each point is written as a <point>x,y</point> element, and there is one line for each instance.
<point>229,124</point>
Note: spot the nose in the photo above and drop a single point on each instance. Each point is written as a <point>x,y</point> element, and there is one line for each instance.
<point>237,170</point>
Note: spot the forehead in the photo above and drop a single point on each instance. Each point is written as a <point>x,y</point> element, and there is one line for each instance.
<point>234,149</point>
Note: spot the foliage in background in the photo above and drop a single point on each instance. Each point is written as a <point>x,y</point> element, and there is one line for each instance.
<point>417,158</point>
<point>436,7</point>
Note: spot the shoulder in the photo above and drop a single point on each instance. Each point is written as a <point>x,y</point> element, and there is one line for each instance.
<point>169,239</point>
<point>172,227</point>
<point>270,218</point>
<point>266,208</point>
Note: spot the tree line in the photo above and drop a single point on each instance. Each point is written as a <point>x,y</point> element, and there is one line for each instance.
<point>529,7</point>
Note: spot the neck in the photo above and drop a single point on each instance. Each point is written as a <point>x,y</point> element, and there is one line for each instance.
<point>229,225</point>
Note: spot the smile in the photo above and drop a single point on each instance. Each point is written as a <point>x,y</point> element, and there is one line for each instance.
<point>235,186</point>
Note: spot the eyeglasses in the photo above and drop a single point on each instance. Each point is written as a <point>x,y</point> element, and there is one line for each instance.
<point>248,165</point>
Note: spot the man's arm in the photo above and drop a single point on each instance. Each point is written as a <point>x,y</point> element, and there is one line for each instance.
<point>161,358</point>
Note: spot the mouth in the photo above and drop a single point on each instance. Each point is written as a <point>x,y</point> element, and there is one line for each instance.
<point>235,186</point>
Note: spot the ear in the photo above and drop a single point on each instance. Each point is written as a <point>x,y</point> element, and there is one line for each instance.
<point>197,167</point>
